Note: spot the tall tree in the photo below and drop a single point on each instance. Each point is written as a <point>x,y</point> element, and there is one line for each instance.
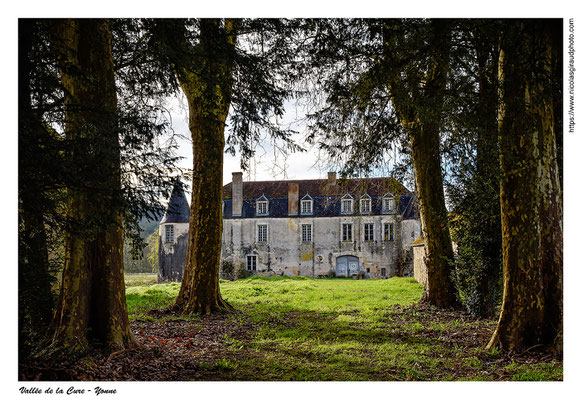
<point>208,88</point>
<point>91,303</point>
<point>471,152</point>
<point>388,84</point>
<point>217,74</point>
<point>418,98</point>
<point>531,197</point>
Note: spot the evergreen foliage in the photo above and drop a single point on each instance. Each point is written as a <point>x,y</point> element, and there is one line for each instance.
<point>48,174</point>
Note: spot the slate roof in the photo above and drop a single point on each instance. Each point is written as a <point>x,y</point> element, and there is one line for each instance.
<point>320,187</point>
<point>178,209</point>
<point>326,198</point>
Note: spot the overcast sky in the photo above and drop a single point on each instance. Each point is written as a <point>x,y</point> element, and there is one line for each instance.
<point>266,165</point>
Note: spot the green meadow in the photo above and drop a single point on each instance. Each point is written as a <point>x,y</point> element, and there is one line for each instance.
<point>343,329</point>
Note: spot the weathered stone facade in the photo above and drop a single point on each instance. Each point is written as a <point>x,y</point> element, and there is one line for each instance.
<point>320,227</point>
<point>284,252</point>
<point>419,254</point>
<point>270,238</point>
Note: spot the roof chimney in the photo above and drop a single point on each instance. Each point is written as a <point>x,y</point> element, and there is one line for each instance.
<point>293,199</point>
<point>237,193</point>
<point>331,178</point>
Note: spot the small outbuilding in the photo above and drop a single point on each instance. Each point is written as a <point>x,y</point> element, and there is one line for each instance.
<point>419,254</point>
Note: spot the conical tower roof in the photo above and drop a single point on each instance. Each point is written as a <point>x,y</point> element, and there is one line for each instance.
<point>178,209</point>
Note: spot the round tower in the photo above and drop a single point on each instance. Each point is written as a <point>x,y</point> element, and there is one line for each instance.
<point>173,236</point>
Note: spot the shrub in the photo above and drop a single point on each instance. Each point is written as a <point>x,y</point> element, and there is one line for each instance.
<point>227,270</point>
<point>242,273</point>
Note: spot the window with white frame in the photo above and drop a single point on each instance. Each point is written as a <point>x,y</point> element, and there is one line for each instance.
<point>346,232</point>
<point>169,233</point>
<point>262,207</point>
<point>365,205</point>
<point>347,206</point>
<point>368,232</point>
<point>388,204</point>
<point>306,232</point>
<point>388,231</point>
<point>251,262</point>
<point>306,206</point>
<point>262,232</point>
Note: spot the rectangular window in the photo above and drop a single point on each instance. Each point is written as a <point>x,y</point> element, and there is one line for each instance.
<point>262,208</point>
<point>306,207</point>
<point>365,206</point>
<point>388,232</point>
<point>306,231</point>
<point>346,232</point>
<point>383,271</point>
<point>262,233</point>
<point>368,232</point>
<point>251,263</point>
<point>346,206</point>
<point>169,233</point>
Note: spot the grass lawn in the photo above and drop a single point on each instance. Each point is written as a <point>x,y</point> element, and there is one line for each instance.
<point>327,329</point>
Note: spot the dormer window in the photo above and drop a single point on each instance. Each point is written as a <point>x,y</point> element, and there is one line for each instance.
<point>306,205</point>
<point>262,206</point>
<point>365,204</point>
<point>388,204</point>
<point>347,205</point>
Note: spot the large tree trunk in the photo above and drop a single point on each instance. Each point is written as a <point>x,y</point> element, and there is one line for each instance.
<point>440,290</point>
<point>531,199</point>
<point>419,109</point>
<point>208,90</point>
<point>92,303</point>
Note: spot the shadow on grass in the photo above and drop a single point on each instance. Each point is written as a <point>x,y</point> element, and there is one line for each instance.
<point>343,346</point>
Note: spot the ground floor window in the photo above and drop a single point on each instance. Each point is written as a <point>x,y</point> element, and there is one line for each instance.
<point>346,232</point>
<point>383,271</point>
<point>306,231</point>
<point>388,232</point>
<point>251,263</point>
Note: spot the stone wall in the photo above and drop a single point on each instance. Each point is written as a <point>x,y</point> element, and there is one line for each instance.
<point>420,273</point>
<point>410,230</point>
<point>285,254</point>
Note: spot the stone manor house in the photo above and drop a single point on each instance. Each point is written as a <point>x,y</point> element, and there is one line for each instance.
<point>316,227</point>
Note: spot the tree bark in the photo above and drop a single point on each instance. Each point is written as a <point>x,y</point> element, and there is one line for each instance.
<point>208,89</point>
<point>92,304</point>
<point>419,109</point>
<point>531,199</point>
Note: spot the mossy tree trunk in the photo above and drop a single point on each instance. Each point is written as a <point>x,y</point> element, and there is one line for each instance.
<point>531,199</point>
<point>208,87</point>
<point>91,303</point>
<point>419,109</point>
